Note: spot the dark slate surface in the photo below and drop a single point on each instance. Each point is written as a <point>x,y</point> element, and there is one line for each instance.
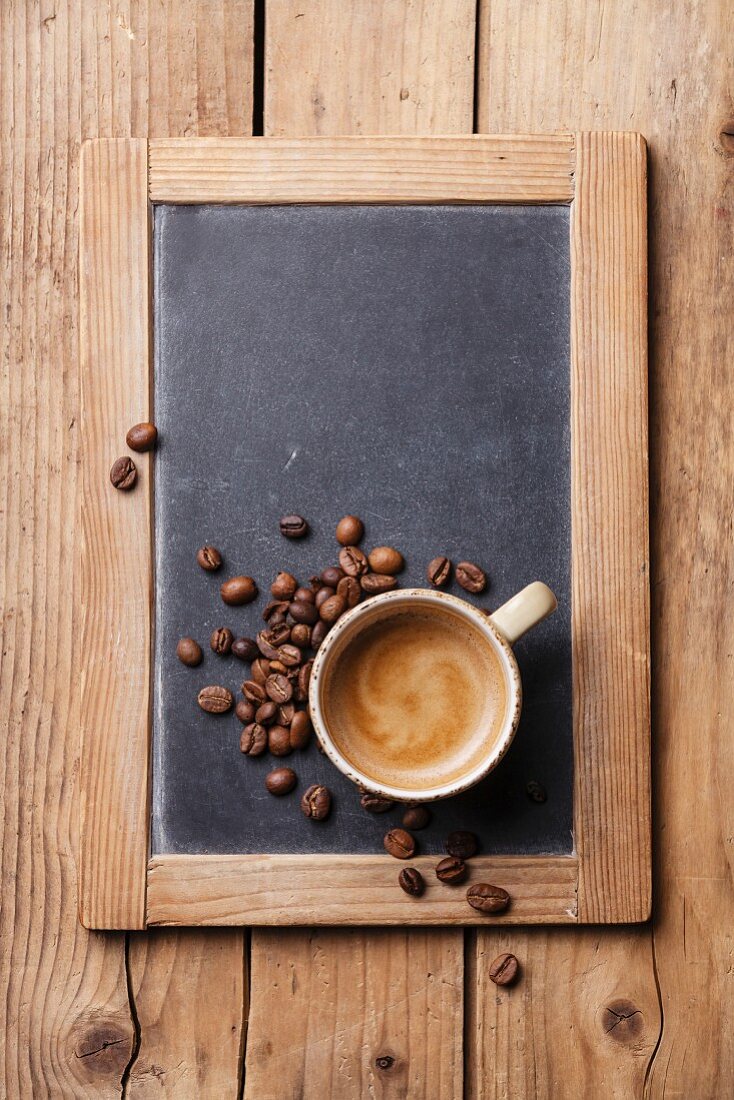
<point>407,364</point>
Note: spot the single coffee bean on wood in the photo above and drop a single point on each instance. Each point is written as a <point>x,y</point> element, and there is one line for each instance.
<point>245,711</point>
<point>332,608</point>
<point>209,558</point>
<point>319,632</point>
<point>353,561</point>
<point>279,688</point>
<point>451,870</point>
<point>286,714</point>
<point>293,527</point>
<point>301,635</point>
<point>215,699</point>
<point>487,898</point>
<point>221,640</point>
<point>245,648</point>
<point>238,590</point>
<point>374,804</point>
<point>471,577</point>
<point>304,677</point>
<point>504,969</point>
<point>253,739</point>
<point>254,692</point>
<point>260,669</point>
<point>305,595</point>
<point>301,729</point>
<point>375,583</point>
<point>124,473</point>
<point>439,571</point>
<point>189,652</point>
<point>536,792</point>
<point>279,741</point>
<point>303,612</point>
<point>350,591</point>
<point>412,881</point>
<point>316,802</point>
<point>416,817</point>
<point>283,587</point>
<point>281,781</point>
<point>324,593</point>
<point>349,530</point>
<point>462,844</point>
<point>331,576</point>
<point>142,437</point>
<point>385,559</point>
<point>266,713</point>
<point>400,844</point>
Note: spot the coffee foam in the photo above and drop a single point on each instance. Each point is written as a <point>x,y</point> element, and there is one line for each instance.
<point>416,700</point>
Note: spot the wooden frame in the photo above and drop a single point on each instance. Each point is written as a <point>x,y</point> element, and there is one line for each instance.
<point>603,177</point>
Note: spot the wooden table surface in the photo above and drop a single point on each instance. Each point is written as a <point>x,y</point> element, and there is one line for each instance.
<point>600,1011</point>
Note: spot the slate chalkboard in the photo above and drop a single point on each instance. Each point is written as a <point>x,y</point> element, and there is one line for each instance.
<point>409,364</point>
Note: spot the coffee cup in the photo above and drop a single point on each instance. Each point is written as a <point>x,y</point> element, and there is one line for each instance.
<point>415,695</point>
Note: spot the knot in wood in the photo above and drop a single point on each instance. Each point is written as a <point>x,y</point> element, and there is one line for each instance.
<point>622,1020</point>
<point>385,1061</point>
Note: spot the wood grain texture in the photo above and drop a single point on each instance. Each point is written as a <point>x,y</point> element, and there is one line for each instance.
<point>262,890</point>
<point>377,169</point>
<point>372,67</point>
<point>352,1014</point>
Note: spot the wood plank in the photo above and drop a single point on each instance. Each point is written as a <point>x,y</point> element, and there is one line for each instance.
<point>609,516</point>
<point>442,169</point>
<point>377,66</point>
<point>313,890</point>
<point>351,1014</point>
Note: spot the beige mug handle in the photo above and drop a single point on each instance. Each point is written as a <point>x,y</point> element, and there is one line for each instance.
<point>524,611</point>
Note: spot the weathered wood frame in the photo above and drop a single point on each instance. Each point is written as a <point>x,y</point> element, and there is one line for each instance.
<point>603,178</point>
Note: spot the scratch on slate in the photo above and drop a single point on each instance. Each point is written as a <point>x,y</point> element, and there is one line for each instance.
<point>290,460</point>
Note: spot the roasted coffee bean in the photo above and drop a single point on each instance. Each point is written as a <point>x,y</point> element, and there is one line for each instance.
<point>350,591</point>
<point>286,714</point>
<point>253,739</point>
<point>279,741</point>
<point>451,870</point>
<point>385,559</point>
<point>353,561</point>
<point>245,649</point>
<point>416,817</point>
<point>260,669</point>
<point>304,677</point>
<point>504,969</point>
<point>215,699</point>
<point>266,713</point>
<point>238,590</point>
<point>536,791</point>
<point>462,844</point>
<point>303,612</point>
<point>266,646</point>
<point>290,655</point>
<point>275,612</point>
<point>487,898</point>
<point>305,595</point>
<point>281,781</point>
<point>221,641</point>
<point>209,558</point>
<point>349,531</point>
<point>374,804</point>
<point>283,587</point>
<point>439,571</point>
<point>301,635</point>
<point>278,634</point>
<point>332,608</point>
<point>142,437</point>
<point>324,593</point>
<point>189,652</point>
<point>400,844</point>
<point>331,576</point>
<point>319,632</point>
<point>471,577</point>
<point>254,692</point>
<point>412,881</point>
<point>124,473</point>
<point>279,688</point>
<point>301,729</point>
<point>293,527</point>
<point>375,583</point>
<point>245,711</point>
<point>316,802</point>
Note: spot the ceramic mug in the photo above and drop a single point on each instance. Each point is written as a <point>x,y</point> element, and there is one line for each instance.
<point>500,631</point>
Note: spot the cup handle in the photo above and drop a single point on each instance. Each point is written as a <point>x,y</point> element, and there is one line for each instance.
<point>524,611</point>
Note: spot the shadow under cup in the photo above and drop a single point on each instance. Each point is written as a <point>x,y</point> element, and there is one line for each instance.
<point>415,695</point>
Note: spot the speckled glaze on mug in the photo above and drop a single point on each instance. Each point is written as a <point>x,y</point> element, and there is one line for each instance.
<point>500,630</point>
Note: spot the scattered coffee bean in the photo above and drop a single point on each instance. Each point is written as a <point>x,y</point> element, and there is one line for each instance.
<point>266,644</point>
<point>245,711</point>
<point>215,699</point>
<point>374,804</point>
<point>266,713</point>
<point>462,844</point>
<point>253,739</point>
<point>301,729</point>
<point>319,632</point>
<point>245,648</point>
<point>304,677</point>
<point>305,595</point>
<point>290,655</point>
<point>439,571</point>
<point>254,692</point>
<point>412,881</point>
<point>221,641</point>
<point>350,591</point>
<point>142,437</point>
<point>124,473</point>
<point>451,870</point>
<point>331,576</point>
<point>209,558</point>
<point>283,587</point>
<point>349,531</point>
<point>281,781</point>
<point>416,817</point>
<point>332,608</point>
<point>279,688</point>
<point>303,612</point>
<point>260,669</point>
<point>275,611</point>
<point>316,802</point>
<point>487,898</point>
<point>536,791</point>
<point>471,577</point>
<point>504,969</point>
<point>238,590</point>
<point>385,559</point>
<point>301,635</point>
<point>324,593</point>
<point>375,583</point>
<point>353,561</point>
<point>293,527</point>
<point>277,636</point>
<point>400,844</point>
<point>189,652</point>
<point>279,741</point>
<point>286,714</point>
<point>316,583</point>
